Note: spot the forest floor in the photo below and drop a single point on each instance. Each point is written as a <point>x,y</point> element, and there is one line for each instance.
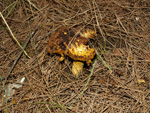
<point>118,80</point>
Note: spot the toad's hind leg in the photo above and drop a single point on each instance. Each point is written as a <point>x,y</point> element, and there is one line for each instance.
<point>61,58</point>
<point>49,50</point>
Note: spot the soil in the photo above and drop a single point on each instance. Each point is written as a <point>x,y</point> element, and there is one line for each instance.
<point>118,80</point>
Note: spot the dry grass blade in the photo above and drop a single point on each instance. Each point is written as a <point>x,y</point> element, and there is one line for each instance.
<point>13,35</point>
<point>33,5</point>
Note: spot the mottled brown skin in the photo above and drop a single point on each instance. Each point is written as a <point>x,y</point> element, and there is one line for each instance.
<point>55,44</point>
<point>85,58</point>
<point>61,36</point>
<point>61,40</point>
<point>79,40</point>
<point>81,57</point>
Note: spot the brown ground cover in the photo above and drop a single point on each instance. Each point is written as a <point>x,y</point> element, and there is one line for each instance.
<point>118,80</point>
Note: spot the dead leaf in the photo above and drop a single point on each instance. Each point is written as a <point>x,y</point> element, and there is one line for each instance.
<point>117,52</point>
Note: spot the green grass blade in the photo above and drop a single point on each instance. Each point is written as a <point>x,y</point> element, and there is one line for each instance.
<point>3,28</point>
<point>84,86</point>
<point>99,56</point>
<point>11,9</point>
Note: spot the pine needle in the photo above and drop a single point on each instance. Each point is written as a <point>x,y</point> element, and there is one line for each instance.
<point>13,35</point>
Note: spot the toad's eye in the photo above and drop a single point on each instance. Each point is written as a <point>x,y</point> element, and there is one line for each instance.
<point>65,33</point>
